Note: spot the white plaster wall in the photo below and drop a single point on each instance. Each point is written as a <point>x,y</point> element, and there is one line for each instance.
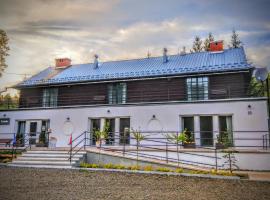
<point>167,116</point>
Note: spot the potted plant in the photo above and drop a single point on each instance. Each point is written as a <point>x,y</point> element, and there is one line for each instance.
<point>188,143</point>
<point>19,140</point>
<point>101,135</point>
<point>223,140</point>
<point>42,140</point>
<point>219,143</point>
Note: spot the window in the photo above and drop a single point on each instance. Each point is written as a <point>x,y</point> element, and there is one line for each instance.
<point>225,129</point>
<point>111,129</point>
<point>206,129</point>
<point>117,93</point>
<point>124,131</point>
<point>50,97</point>
<point>188,125</point>
<point>197,88</point>
<point>95,126</point>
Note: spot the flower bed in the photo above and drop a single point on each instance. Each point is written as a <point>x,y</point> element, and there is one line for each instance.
<point>159,169</point>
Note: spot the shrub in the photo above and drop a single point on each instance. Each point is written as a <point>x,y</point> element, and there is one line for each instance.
<point>163,169</point>
<point>120,167</point>
<point>148,168</point>
<point>179,170</point>
<point>109,166</point>
<point>134,167</point>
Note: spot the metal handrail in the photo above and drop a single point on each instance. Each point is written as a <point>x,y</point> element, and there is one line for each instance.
<point>25,141</point>
<point>71,153</point>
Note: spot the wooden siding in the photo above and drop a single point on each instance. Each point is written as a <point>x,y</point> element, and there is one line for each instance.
<point>30,97</point>
<point>228,86</point>
<point>155,90</point>
<point>82,94</point>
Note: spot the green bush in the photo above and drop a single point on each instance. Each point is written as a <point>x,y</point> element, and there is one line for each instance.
<point>163,169</point>
<point>179,170</point>
<point>148,168</point>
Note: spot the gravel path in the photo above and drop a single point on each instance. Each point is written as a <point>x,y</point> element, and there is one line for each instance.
<point>26,183</point>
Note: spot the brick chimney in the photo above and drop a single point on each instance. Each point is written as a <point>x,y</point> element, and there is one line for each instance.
<point>62,62</point>
<point>216,46</point>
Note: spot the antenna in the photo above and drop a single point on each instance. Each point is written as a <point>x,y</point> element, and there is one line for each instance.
<point>148,54</point>
<point>261,74</point>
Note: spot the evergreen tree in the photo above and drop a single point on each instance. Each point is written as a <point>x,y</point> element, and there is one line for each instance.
<point>4,48</point>
<point>207,41</point>
<point>235,41</point>
<point>197,45</point>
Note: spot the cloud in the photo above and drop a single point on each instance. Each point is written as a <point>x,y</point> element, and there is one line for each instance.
<point>41,30</point>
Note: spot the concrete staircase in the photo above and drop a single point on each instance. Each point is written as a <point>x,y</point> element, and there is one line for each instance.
<point>48,159</point>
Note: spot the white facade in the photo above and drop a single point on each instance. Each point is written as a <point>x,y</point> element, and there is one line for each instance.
<point>248,115</point>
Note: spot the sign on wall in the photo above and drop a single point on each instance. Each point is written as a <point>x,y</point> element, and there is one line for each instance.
<point>4,121</point>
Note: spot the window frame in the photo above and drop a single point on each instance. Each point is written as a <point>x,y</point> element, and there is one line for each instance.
<point>117,93</point>
<point>50,97</point>
<point>197,88</point>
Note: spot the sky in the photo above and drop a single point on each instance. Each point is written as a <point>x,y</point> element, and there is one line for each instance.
<point>42,30</point>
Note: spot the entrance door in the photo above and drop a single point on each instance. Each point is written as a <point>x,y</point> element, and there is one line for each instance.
<point>206,129</point>
<point>44,136</point>
<point>124,131</point>
<point>94,126</point>
<point>111,125</point>
<point>33,132</point>
<point>20,133</point>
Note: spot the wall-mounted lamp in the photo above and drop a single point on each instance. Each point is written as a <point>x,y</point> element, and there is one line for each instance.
<point>4,115</point>
<point>108,111</point>
<point>68,119</point>
<point>154,117</point>
<point>249,109</point>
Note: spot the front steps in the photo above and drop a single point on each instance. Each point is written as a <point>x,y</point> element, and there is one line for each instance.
<point>48,159</point>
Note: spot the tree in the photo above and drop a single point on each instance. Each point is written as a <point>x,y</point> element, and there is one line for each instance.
<point>4,48</point>
<point>256,88</point>
<point>207,41</point>
<point>197,45</point>
<point>235,41</point>
<point>138,136</point>
<point>177,138</point>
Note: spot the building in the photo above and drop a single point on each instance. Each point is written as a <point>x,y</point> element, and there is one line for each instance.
<point>205,92</point>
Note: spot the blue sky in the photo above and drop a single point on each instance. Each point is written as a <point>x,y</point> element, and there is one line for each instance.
<point>41,30</point>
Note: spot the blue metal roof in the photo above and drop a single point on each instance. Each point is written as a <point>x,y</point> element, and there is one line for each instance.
<point>192,63</point>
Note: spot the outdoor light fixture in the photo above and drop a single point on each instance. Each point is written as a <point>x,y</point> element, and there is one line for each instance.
<point>68,119</point>
<point>108,111</point>
<point>4,115</point>
<point>154,117</point>
<point>249,109</point>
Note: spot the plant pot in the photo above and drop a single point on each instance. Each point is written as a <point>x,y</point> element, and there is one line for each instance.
<point>191,145</point>
<point>40,145</point>
<point>220,146</point>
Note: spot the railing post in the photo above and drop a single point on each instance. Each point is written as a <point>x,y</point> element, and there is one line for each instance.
<point>70,152</point>
<point>216,158</point>
<point>167,160</point>
<point>124,146</point>
<point>84,140</point>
